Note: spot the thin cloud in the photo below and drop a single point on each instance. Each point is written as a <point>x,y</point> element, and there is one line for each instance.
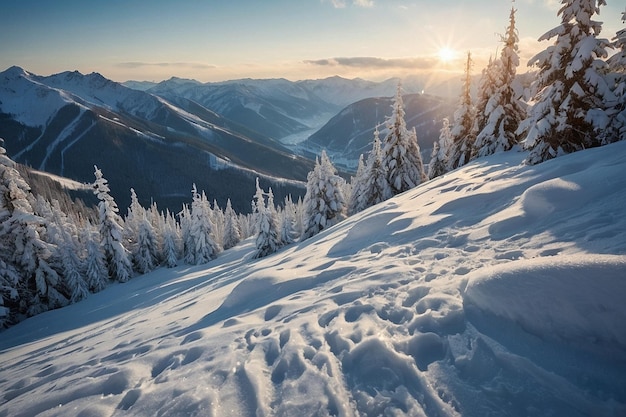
<point>192,65</point>
<point>342,4</point>
<point>376,63</point>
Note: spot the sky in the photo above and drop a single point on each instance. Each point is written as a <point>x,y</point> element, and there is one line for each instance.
<point>211,40</point>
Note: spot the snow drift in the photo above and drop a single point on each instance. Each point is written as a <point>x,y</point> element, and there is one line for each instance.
<point>494,290</point>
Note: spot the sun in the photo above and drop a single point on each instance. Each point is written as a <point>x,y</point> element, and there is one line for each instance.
<point>446,54</point>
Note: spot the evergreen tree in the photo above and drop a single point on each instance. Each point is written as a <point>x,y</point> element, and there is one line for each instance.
<point>617,79</point>
<point>203,246</point>
<point>267,240</point>
<point>145,258</point>
<point>96,272</point>
<point>463,131</point>
<point>356,200</point>
<point>170,241</point>
<point>324,203</point>
<point>133,217</point>
<point>288,233</point>
<point>23,250</point>
<point>116,255</point>
<point>402,160</point>
<point>218,218</point>
<point>66,242</point>
<point>376,188</point>
<point>568,109</point>
<point>439,160</point>
<point>232,230</point>
<point>486,89</point>
<point>504,111</point>
<point>11,284</point>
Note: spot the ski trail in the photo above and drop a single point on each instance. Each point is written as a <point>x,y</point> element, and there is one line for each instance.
<point>62,136</point>
<point>69,145</point>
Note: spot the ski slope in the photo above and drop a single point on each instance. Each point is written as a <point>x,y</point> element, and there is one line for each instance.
<point>496,290</point>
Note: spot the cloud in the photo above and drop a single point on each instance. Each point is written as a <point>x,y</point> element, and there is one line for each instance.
<point>342,4</point>
<point>377,63</point>
<point>138,64</point>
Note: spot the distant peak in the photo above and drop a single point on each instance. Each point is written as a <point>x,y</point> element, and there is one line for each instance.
<point>15,72</point>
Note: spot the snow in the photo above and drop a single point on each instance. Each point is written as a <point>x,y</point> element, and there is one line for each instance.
<point>496,289</point>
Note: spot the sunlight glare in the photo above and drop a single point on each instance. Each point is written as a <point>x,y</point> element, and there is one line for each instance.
<point>446,54</point>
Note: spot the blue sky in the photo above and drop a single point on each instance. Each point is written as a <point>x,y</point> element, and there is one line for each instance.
<point>213,40</point>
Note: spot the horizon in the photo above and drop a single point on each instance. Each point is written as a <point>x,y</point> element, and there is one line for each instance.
<point>213,42</point>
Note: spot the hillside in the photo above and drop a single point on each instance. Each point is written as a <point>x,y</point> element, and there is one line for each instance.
<point>494,290</point>
<point>66,123</point>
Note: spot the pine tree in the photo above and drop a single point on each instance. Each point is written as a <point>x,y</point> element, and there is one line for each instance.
<point>487,86</point>
<point>617,110</point>
<point>267,240</point>
<point>66,242</point>
<point>504,111</point>
<point>439,160</point>
<point>111,232</point>
<point>170,241</point>
<point>288,233</point>
<point>232,230</point>
<point>11,283</point>
<point>463,131</point>
<point>402,160</point>
<point>376,188</point>
<point>356,203</point>
<point>203,246</point>
<point>145,258</point>
<point>324,203</point>
<point>23,249</point>
<point>568,109</point>
<point>96,272</point>
<point>133,217</point>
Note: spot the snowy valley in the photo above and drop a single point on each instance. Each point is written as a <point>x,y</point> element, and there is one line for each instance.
<point>496,289</point>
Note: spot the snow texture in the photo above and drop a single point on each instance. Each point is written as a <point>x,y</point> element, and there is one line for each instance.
<point>493,290</point>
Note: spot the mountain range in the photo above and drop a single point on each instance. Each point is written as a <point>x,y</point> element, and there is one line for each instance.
<point>160,138</point>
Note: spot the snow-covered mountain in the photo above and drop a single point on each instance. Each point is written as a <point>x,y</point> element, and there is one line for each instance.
<point>68,122</point>
<point>495,290</point>
<point>350,133</point>
<point>277,108</point>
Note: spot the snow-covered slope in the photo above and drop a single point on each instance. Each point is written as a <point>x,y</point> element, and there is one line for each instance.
<point>496,290</point>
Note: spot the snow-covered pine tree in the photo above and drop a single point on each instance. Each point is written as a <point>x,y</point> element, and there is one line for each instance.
<point>157,220</point>
<point>489,80</point>
<point>504,111</point>
<point>376,188</point>
<point>96,272</point>
<point>67,249</point>
<point>232,230</point>
<point>357,183</point>
<point>463,131</point>
<point>11,283</point>
<point>401,155</point>
<point>439,160</point>
<point>217,216</point>
<point>570,94</point>
<point>267,240</point>
<point>23,248</point>
<point>116,256</point>
<point>288,233</point>
<point>171,238</point>
<point>204,248</point>
<point>134,214</point>
<point>185,231</point>
<point>145,258</point>
<point>324,203</point>
<point>617,79</point>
